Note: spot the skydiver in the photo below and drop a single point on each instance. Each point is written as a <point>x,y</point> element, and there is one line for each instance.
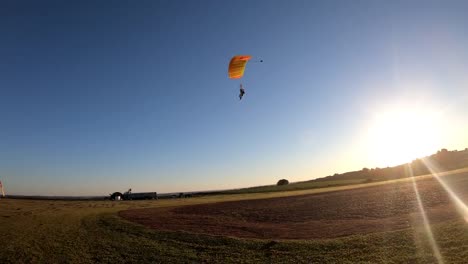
<point>241,92</point>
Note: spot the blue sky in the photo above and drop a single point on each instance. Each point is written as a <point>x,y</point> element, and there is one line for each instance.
<point>102,96</point>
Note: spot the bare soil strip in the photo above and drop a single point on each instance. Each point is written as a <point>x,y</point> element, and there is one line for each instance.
<point>375,208</point>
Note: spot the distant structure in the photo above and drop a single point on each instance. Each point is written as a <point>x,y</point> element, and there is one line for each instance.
<point>128,195</point>
<point>117,196</point>
<point>184,195</point>
<point>1,187</point>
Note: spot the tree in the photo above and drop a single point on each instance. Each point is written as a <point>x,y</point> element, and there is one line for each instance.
<point>282,182</point>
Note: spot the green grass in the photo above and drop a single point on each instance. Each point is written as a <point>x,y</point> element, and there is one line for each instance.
<point>91,232</point>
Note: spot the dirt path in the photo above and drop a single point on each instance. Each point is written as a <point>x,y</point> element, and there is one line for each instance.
<point>324,215</point>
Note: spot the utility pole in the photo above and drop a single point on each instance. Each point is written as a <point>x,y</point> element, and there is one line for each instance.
<point>1,187</point>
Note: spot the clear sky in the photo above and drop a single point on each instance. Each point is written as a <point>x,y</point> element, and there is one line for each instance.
<point>101,96</point>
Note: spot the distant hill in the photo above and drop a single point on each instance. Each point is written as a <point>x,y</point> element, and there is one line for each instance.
<point>444,159</point>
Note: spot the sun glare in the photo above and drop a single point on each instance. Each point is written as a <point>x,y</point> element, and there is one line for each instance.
<point>401,135</point>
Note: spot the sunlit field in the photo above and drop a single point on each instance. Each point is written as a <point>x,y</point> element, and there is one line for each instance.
<point>92,231</point>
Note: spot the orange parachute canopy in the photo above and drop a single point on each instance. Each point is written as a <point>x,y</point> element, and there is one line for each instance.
<point>237,66</point>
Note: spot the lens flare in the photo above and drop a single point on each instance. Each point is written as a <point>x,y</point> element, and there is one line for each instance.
<point>426,225</point>
<point>459,204</point>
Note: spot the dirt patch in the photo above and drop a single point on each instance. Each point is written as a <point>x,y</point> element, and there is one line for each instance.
<point>326,215</point>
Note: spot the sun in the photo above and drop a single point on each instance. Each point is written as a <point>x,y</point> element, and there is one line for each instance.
<point>400,135</point>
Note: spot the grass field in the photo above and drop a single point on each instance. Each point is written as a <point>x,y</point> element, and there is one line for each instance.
<point>296,186</point>
<point>92,232</point>
<point>356,211</point>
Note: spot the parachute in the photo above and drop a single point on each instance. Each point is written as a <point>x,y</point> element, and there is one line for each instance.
<point>236,69</point>
<point>237,66</point>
